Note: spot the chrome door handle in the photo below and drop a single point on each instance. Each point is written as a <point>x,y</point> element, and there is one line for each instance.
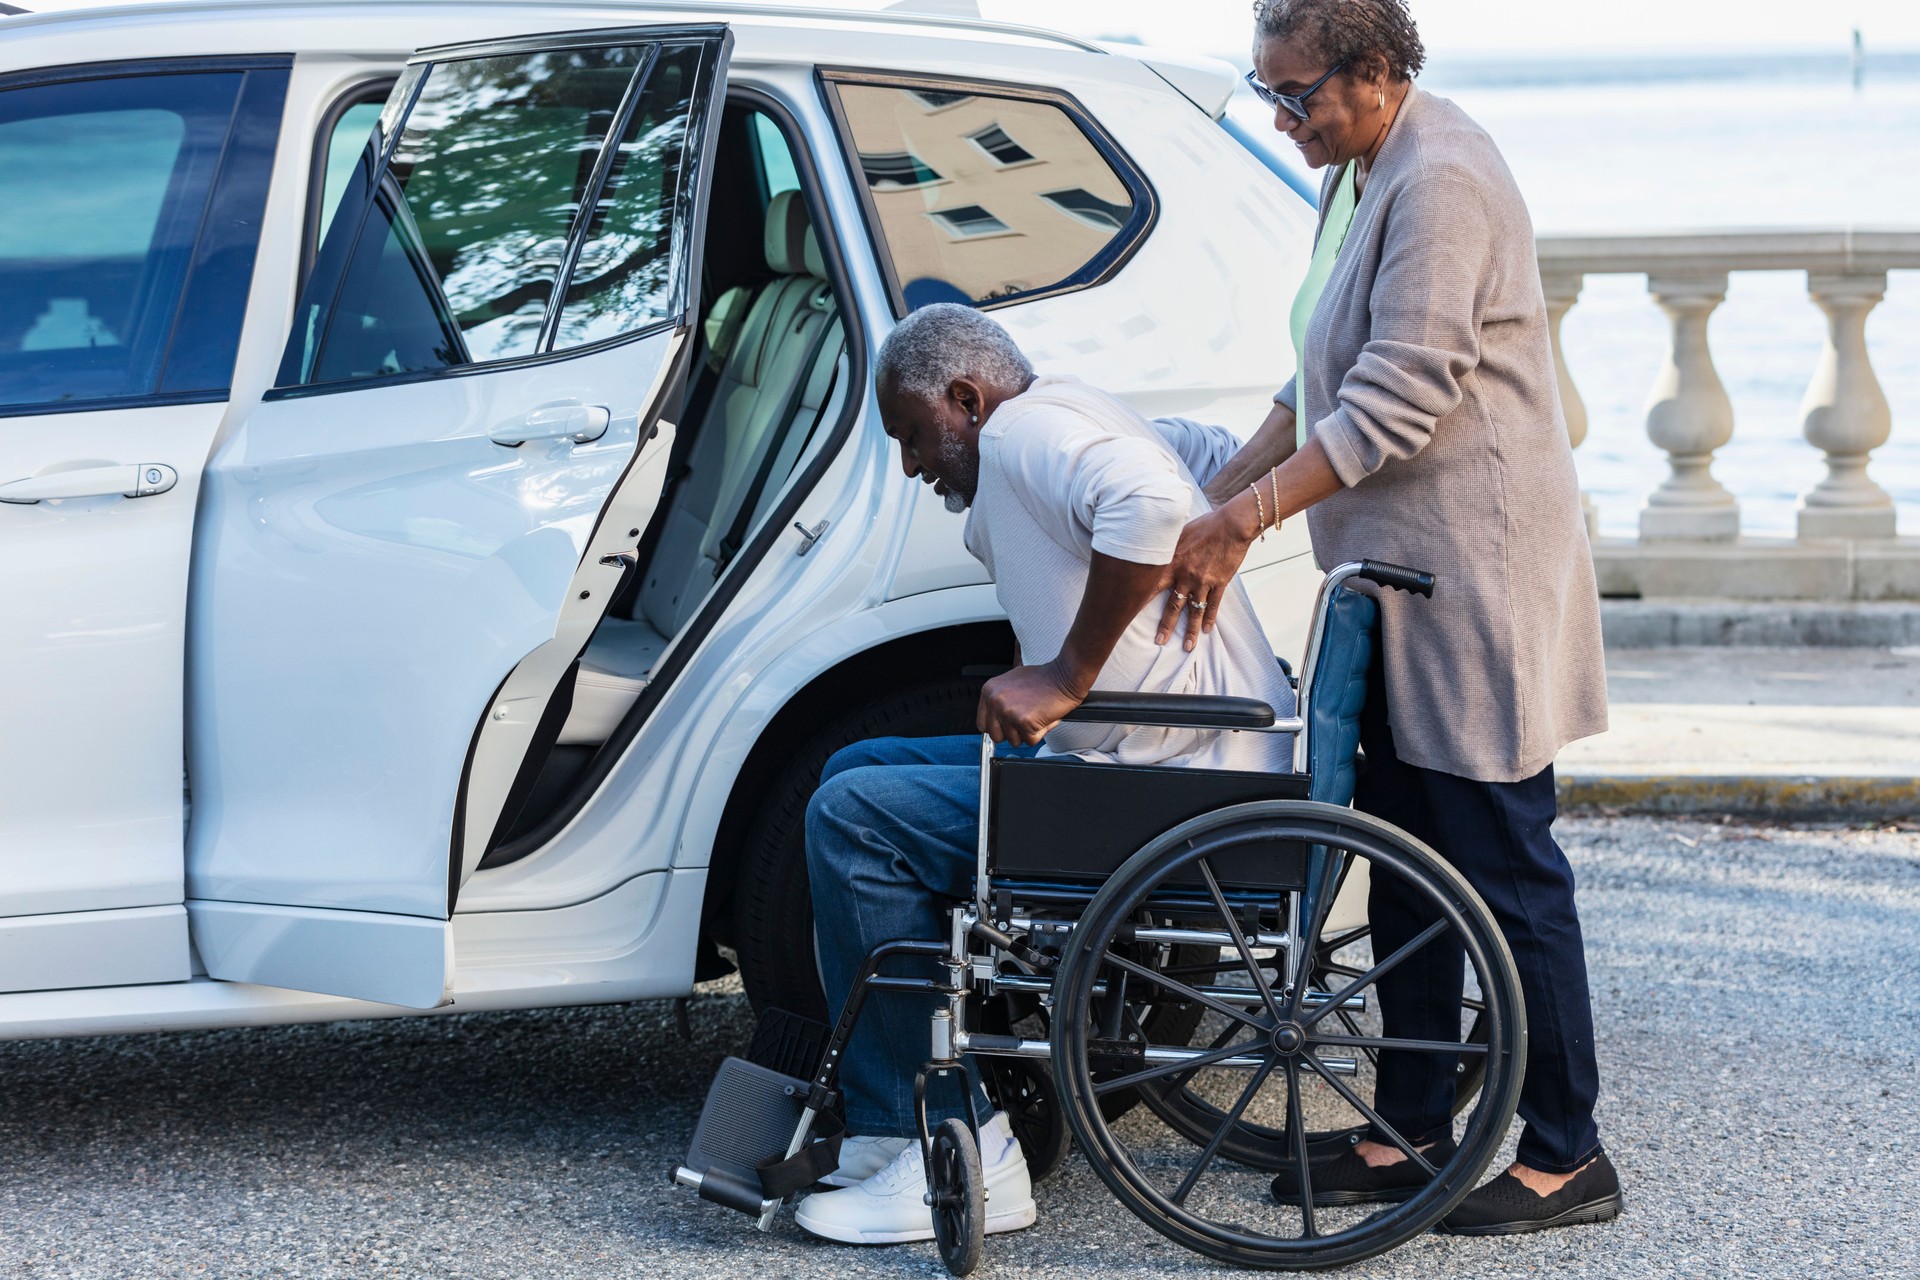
<point>580,423</point>
<point>141,480</point>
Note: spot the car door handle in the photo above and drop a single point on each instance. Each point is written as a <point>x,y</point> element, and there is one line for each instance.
<point>128,481</point>
<point>579,423</point>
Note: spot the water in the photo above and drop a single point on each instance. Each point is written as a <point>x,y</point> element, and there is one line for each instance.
<point>1784,140</point>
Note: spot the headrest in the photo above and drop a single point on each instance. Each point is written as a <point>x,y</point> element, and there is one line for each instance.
<point>810,254</point>
<point>787,233</point>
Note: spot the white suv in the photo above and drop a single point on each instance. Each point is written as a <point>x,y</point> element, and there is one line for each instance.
<point>492,516</point>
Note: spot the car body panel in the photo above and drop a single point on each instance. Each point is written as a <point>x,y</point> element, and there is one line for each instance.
<point>1188,326</point>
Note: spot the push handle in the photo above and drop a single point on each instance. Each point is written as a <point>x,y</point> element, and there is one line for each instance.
<point>1392,575</point>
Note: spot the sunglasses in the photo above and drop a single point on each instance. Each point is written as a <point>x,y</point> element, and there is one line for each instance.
<point>1296,105</point>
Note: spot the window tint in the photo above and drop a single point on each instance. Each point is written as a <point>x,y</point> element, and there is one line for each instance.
<point>455,257</point>
<point>980,197</point>
<point>110,289</point>
<point>776,160</point>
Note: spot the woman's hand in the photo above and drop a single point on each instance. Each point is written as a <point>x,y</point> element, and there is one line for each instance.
<point>1020,706</point>
<point>1212,548</point>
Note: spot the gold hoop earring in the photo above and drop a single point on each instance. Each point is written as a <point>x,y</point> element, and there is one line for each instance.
<point>1382,104</point>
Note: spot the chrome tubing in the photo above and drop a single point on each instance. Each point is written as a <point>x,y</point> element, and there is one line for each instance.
<point>1021,1047</point>
<point>1231,995</point>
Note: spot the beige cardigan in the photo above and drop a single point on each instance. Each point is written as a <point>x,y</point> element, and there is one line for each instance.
<point>1429,380</point>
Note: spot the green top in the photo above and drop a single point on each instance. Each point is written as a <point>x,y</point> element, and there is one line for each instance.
<point>1326,250</point>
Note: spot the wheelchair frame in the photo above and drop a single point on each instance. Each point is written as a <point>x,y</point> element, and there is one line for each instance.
<point>992,930</point>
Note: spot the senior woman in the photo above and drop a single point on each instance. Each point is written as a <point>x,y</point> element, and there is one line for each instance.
<point>1423,427</point>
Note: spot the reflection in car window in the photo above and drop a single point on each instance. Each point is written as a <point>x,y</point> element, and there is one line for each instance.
<point>980,197</point>
<point>623,276</point>
<point>92,272</point>
<point>456,257</point>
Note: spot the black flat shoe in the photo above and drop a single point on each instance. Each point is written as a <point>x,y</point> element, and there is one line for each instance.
<point>1348,1179</point>
<point>1506,1207</point>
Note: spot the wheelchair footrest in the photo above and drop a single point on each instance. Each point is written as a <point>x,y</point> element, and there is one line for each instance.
<point>738,1154</point>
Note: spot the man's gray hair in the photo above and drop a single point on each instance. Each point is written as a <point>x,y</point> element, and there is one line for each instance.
<point>939,343</point>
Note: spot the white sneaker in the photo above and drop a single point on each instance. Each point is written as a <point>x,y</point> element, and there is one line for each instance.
<point>861,1158</point>
<point>889,1208</point>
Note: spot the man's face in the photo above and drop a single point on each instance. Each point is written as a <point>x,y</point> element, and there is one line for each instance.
<point>939,442</point>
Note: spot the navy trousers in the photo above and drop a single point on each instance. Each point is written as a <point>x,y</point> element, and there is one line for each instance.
<point>1499,836</point>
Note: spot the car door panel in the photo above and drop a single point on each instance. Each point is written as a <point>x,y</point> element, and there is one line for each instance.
<point>406,546</point>
<point>118,332</point>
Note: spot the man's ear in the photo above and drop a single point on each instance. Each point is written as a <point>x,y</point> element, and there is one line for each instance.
<point>965,393</point>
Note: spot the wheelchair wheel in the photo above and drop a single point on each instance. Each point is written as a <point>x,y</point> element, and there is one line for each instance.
<point>1282,1058</point>
<point>1197,1113</point>
<point>957,1190</point>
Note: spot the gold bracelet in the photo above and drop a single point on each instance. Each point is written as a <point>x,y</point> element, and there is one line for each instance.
<point>1273,474</point>
<point>1260,507</point>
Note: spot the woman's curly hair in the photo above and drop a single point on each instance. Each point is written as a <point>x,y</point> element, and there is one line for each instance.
<point>1353,31</point>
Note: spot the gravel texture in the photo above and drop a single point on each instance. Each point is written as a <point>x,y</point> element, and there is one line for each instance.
<point>1758,998</point>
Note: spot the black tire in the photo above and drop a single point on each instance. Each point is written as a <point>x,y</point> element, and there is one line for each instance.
<point>772,908</point>
<point>1281,1035</point>
<point>957,1187</point>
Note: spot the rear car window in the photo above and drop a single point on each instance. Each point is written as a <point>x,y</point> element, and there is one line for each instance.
<point>132,206</point>
<point>455,254</point>
<point>986,197</point>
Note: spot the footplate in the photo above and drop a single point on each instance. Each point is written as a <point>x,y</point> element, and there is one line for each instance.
<point>751,1115</point>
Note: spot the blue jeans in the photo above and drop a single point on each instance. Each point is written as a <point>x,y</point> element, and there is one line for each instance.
<point>891,840</point>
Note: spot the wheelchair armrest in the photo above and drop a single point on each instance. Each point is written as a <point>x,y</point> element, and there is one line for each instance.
<point>1172,711</point>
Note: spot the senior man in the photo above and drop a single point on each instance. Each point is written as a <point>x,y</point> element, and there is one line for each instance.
<point>1074,504</point>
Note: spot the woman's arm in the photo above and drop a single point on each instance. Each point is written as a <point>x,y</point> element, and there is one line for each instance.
<point>1214,546</point>
<point>1271,445</point>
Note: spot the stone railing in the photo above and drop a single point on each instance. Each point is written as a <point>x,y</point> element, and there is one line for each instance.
<point>1689,541</point>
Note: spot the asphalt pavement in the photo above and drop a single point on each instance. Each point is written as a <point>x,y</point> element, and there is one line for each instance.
<point>1757,994</point>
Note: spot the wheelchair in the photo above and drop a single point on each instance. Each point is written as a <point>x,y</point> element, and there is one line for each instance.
<point>1175,968</point>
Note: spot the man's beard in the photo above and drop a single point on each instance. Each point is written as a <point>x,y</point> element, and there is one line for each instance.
<point>959,473</point>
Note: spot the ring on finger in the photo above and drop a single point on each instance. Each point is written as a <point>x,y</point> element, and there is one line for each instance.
<point>1180,596</point>
<point>1199,604</point>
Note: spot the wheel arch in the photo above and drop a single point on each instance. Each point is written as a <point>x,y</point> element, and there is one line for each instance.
<point>889,666</point>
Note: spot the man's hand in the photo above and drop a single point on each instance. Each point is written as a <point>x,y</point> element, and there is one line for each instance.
<point>1022,705</point>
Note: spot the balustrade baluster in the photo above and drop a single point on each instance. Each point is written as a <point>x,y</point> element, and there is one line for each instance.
<point>1689,416</point>
<point>1845,414</point>
<point>1562,291</point>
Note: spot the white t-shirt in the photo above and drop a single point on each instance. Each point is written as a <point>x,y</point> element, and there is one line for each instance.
<point>1067,470</point>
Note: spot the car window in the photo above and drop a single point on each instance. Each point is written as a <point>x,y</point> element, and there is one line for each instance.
<point>345,141</point>
<point>455,257</point>
<point>981,197</point>
<point>776,159</point>
<point>132,283</point>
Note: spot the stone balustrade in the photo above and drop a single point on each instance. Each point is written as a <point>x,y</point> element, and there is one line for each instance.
<point>1690,541</point>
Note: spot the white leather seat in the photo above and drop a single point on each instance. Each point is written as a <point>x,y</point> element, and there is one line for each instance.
<point>777,374</point>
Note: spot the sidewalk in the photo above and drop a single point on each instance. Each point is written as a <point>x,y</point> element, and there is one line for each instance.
<point>1781,732</point>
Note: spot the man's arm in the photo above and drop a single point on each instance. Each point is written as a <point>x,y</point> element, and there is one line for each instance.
<point>1022,705</point>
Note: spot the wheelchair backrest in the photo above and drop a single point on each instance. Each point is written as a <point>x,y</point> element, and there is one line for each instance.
<point>1348,645</point>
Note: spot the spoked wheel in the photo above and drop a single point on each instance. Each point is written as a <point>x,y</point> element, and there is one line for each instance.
<point>1196,1111</point>
<point>958,1191</point>
<point>1024,1089</point>
<point>1281,1058</point>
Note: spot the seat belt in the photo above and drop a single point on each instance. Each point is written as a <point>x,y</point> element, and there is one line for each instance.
<point>743,518</point>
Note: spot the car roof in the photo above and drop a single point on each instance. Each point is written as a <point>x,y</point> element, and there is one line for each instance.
<point>326,19</point>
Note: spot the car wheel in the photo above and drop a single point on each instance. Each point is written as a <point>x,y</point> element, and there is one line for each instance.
<point>772,908</point>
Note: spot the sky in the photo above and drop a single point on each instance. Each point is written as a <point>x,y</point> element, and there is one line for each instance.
<point>1469,26</point>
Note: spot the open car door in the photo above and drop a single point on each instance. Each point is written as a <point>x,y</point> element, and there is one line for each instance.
<point>404,548</point>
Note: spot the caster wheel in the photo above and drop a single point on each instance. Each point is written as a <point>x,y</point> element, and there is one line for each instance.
<point>957,1191</point>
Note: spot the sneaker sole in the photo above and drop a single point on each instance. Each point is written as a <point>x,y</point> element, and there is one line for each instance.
<point>997,1224</point>
<point>1581,1215</point>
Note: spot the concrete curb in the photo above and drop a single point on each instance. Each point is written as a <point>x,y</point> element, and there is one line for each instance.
<point>1792,797</point>
<point>1659,624</point>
